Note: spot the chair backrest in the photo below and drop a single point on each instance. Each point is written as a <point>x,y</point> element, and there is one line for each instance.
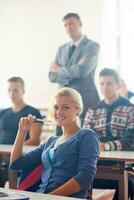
<point>30,178</point>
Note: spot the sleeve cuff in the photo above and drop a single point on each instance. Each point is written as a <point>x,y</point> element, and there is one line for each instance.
<point>113,145</point>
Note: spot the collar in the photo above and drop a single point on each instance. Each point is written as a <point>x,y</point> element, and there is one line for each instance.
<point>76,43</point>
<point>120,102</point>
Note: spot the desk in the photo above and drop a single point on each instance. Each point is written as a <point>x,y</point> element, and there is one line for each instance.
<point>116,172</point>
<point>39,196</point>
<point>6,149</point>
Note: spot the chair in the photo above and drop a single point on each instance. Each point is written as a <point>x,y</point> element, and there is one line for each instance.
<point>30,178</point>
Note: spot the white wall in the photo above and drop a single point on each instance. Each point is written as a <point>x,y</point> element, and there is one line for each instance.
<point>30,32</point>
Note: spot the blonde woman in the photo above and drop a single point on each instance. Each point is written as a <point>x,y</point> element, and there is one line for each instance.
<point>69,161</point>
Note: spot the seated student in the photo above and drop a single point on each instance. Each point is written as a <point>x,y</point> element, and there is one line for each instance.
<point>113,120</point>
<point>69,162</point>
<point>9,120</point>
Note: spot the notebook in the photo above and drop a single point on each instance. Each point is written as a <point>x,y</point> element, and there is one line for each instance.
<point>11,195</point>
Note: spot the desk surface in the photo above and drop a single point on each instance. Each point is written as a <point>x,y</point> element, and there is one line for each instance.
<point>104,155</point>
<point>38,196</point>
<point>6,149</point>
<point>117,155</point>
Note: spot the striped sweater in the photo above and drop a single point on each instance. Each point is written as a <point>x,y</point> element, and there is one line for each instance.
<point>113,123</point>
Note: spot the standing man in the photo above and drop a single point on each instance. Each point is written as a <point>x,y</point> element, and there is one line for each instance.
<point>9,120</point>
<point>76,62</point>
<point>113,120</point>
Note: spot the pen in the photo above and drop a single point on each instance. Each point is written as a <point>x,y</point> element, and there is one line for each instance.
<point>39,120</point>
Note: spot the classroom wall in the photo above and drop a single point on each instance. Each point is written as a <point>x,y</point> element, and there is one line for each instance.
<point>30,33</point>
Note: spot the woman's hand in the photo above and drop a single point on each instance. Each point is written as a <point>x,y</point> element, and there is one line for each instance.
<point>25,123</point>
<point>24,126</point>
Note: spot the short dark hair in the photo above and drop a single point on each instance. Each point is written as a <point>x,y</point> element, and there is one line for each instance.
<point>69,15</point>
<point>17,79</point>
<point>110,72</point>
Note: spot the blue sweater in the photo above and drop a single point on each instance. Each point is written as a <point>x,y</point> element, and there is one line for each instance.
<point>76,158</point>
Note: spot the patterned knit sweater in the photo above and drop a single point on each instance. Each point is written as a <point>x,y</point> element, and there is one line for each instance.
<point>113,123</point>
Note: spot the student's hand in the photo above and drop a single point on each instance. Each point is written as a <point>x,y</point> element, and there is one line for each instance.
<point>55,68</point>
<point>25,123</point>
<point>102,146</point>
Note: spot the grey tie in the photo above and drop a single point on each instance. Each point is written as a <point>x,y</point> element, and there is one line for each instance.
<point>71,50</point>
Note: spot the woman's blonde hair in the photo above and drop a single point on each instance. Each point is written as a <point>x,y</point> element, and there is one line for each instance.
<point>74,96</point>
